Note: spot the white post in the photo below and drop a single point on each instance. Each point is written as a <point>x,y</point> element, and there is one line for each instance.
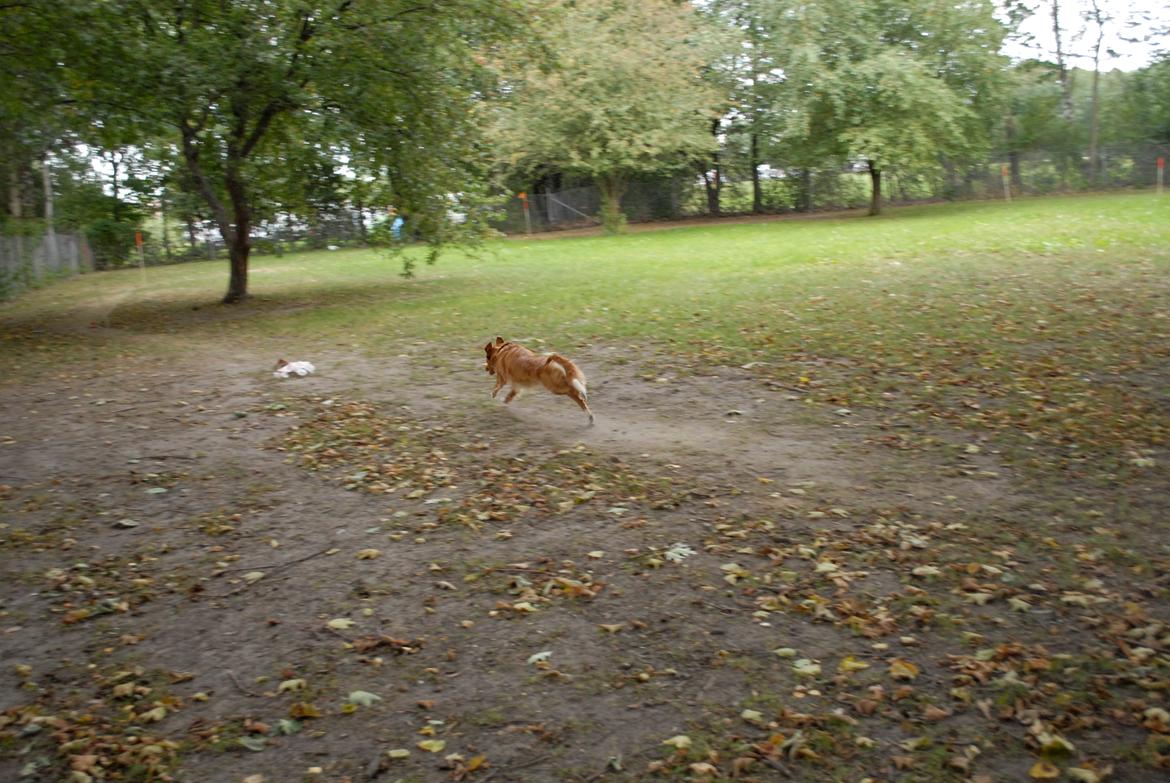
<point>50,230</point>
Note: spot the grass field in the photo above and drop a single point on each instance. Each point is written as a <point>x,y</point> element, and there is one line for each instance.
<point>916,466</point>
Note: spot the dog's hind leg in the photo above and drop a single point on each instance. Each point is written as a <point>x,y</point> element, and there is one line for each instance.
<point>513,394</point>
<point>579,398</point>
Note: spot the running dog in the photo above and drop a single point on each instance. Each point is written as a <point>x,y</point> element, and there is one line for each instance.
<point>514,364</point>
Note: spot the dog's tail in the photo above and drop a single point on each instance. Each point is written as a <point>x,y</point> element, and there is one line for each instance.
<point>576,377</point>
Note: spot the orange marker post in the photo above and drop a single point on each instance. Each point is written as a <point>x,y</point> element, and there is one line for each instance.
<point>1161,173</point>
<point>527,218</point>
<point>141,254</point>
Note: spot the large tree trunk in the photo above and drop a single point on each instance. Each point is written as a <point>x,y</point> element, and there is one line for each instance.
<point>240,241</point>
<point>235,232</point>
<point>1095,102</point>
<point>15,198</point>
<point>50,229</point>
<point>804,191</point>
<point>713,177</point>
<point>612,188</point>
<point>875,201</point>
<point>1066,109</point>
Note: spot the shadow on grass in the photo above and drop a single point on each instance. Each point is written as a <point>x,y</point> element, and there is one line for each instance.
<point>179,310</point>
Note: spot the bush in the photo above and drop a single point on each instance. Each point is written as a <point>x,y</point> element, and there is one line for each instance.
<point>112,242</point>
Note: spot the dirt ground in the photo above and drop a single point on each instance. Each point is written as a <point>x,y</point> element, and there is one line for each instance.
<point>379,573</point>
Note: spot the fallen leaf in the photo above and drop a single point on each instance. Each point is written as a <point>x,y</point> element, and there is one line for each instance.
<point>153,716</point>
<point>340,623</point>
<point>752,716</point>
<point>1043,770</point>
<point>289,686</point>
<point>304,710</point>
<point>363,698</point>
<point>369,554</point>
<point>433,746</point>
<point>851,664</point>
<point>806,668</point>
<point>680,741</point>
<point>903,670</point>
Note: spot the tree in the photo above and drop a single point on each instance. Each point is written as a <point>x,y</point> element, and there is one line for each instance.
<point>624,97</point>
<point>392,83</point>
<point>893,84</point>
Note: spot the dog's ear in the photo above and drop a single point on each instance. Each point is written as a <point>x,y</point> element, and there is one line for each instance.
<point>488,349</point>
<point>499,340</point>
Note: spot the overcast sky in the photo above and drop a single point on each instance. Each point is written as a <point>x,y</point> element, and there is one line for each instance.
<point>1078,38</point>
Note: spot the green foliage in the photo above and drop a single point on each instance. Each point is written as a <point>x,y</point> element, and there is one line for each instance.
<point>626,96</point>
<point>110,241</point>
<point>264,98</point>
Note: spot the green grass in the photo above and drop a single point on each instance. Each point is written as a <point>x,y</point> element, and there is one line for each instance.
<point>1046,317</point>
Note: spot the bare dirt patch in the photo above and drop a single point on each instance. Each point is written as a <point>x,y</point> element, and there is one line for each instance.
<point>215,574</point>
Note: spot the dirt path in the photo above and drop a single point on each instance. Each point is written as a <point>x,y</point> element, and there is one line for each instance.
<point>198,553</point>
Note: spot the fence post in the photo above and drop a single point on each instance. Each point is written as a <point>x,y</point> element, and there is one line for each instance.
<point>1161,172</point>
<point>1007,183</point>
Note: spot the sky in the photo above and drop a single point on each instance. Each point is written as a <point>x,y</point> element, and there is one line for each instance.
<point>1078,39</point>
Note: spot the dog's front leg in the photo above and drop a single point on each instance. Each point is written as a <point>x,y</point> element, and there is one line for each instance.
<point>499,385</point>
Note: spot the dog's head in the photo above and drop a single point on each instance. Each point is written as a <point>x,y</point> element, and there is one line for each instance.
<point>491,349</point>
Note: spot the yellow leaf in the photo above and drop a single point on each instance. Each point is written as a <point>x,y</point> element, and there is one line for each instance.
<point>369,554</point>
<point>851,664</point>
<point>433,746</point>
<point>611,628</point>
<point>680,741</point>
<point>151,716</point>
<point>903,670</point>
<point>398,753</point>
<point>252,577</point>
<point>475,762</point>
<point>1043,770</point>
<point>340,623</point>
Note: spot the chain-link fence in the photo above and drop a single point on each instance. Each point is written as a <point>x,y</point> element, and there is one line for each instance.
<point>1030,172</point>
<point>26,261</point>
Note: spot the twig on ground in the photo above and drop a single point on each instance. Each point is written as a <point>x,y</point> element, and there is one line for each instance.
<point>238,684</point>
<point>275,566</point>
<point>530,763</point>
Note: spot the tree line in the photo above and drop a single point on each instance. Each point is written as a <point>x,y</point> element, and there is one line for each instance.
<point>238,115</point>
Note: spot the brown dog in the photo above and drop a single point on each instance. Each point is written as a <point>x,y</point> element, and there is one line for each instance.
<point>514,364</point>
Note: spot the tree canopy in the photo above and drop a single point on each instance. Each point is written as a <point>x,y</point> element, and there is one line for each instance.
<point>245,89</point>
<point>625,95</point>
